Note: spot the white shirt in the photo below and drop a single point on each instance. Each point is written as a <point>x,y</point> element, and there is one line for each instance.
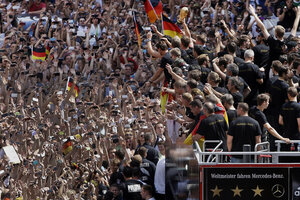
<point>95,30</point>
<point>159,178</point>
<point>82,28</point>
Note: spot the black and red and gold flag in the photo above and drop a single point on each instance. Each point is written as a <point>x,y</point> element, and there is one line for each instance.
<point>69,86</point>
<point>170,28</point>
<point>138,30</point>
<point>154,9</point>
<point>39,53</point>
<point>67,147</point>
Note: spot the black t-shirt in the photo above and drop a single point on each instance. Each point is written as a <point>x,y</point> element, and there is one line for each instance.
<point>260,117</point>
<point>244,130</point>
<point>250,73</point>
<point>278,94</point>
<point>214,127</point>
<point>241,53</point>
<point>152,153</point>
<point>237,98</point>
<point>132,190</point>
<point>270,82</point>
<point>166,59</point>
<point>221,90</point>
<point>150,167</point>
<point>196,118</point>
<point>189,113</point>
<point>296,77</point>
<point>232,115</point>
<point>276,49</point>
<point>288,20</point>
<point>261,55</point>
<point>290,111</point>
<point>238,61</point>
<point>116,178</point>
<point>187,55</point>
<point>204,73</point>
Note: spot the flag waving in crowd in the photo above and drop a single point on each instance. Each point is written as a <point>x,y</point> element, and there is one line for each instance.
<point>154,9</point>
<point>69,86</point>
<point>170,28</point>
<point>39,53</point>
<point>138,29</point>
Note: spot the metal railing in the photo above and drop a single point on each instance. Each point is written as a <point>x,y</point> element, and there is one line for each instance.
<point>219,143</point>
<point>200,155</point>
<point>279,142</point>
<point>259,147</point>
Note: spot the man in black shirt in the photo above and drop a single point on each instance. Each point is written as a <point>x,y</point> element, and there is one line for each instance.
<point>147,164</point>
<point>186,51</point>
<point>261,51</point>
<point>256,112</point>
<point>232,70</point>
<point>227,101</point>
<point>165,56</point>
<point>132,187</point>
<point>288,15</point>
<point>252,75</point>
<point>290,115</point>
<point>243,130</point>
<point>276,64</point>
<point>197,111</point>
<point>276,45</point>
<point>233,85</point>
<point>296,77</point>
<point>213,127</point>
<point>152,153</point>
<point>203,61</point>
<point>290,119</point>
<point>278,94</point>
<point>231,49</point>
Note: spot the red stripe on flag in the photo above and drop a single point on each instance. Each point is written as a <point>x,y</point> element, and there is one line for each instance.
<point>38,54</point>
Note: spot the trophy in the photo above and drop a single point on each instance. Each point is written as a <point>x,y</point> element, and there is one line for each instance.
<point>183,13</point>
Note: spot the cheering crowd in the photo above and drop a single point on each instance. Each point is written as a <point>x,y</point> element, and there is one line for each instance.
<point>91,104</point>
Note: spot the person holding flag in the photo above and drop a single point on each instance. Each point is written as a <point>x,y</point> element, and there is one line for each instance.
<point>165,56</point>
<point>71,84</point>
<point>138,30</point>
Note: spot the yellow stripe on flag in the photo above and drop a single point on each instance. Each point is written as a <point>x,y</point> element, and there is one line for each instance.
<point>163,102</point>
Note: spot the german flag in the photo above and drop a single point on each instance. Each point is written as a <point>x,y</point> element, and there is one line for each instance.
<point>170,28</point>
<point>154,9</point>
<point>69,86</point>
<point>39,53</point>
<point>47,50</point>
<point>67,147</point>
<point>138,29</point>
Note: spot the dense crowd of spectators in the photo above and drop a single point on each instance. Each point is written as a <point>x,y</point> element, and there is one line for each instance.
<point>87,120</point>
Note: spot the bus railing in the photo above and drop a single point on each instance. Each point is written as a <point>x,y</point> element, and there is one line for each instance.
<point>201,155</point>
<point>262,147</point>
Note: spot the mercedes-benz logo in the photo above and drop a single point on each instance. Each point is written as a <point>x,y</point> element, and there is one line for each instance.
<point>278,191</point>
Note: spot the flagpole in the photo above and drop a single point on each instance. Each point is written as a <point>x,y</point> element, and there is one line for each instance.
<point>162,23</point>
<point>153,9</point>
<point>136,28</point>
<point>67,83</point>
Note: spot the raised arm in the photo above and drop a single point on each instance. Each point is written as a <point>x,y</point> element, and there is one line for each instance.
<point>174,75</point>
<point>296,22</point>
<point>150,50</point>
<point>217,69</point>
<point>259,22</point>
<point>154,28</point>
